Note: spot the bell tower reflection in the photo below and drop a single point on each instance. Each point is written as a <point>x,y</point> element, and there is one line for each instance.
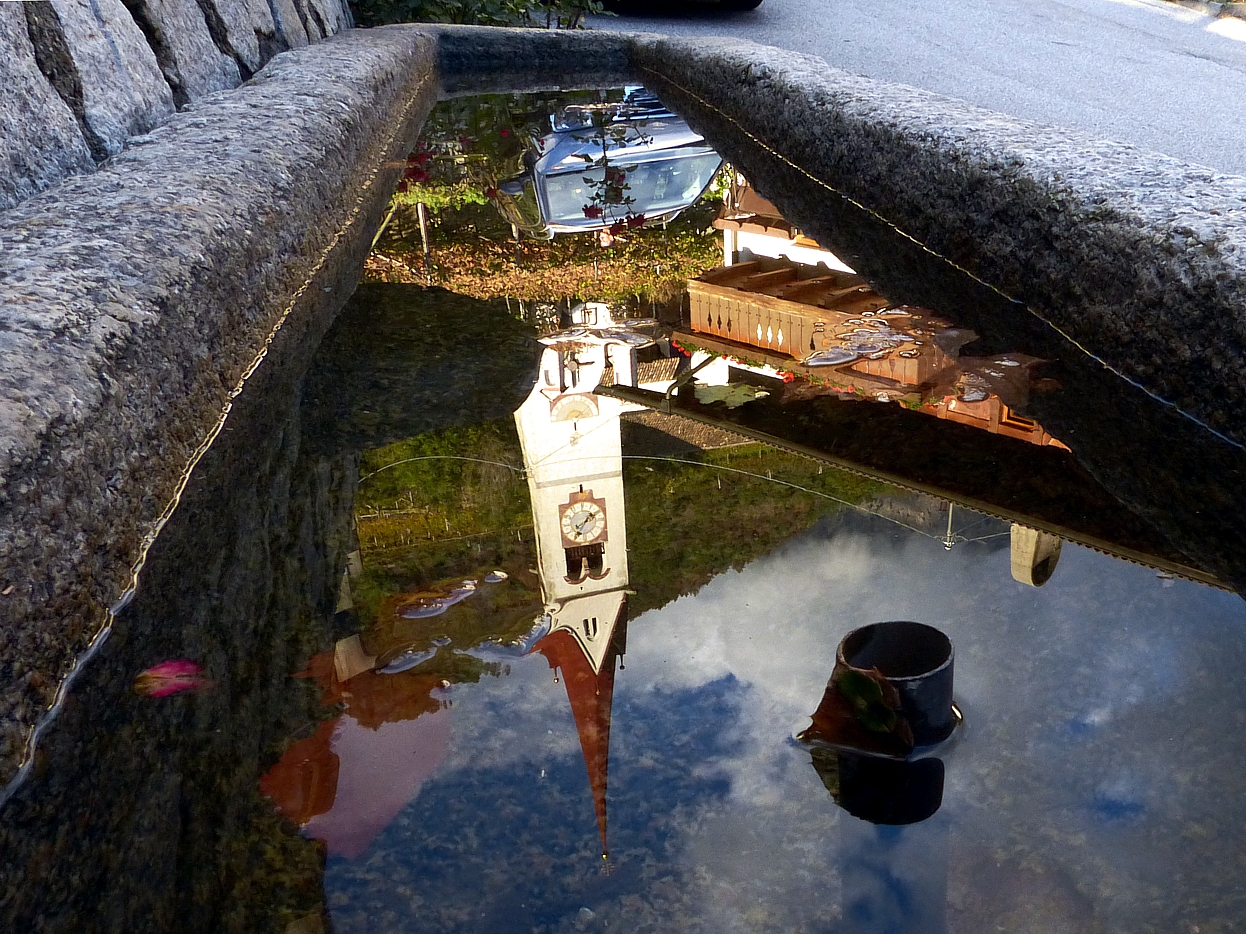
<point>573,456</point>
<point>590,689</point>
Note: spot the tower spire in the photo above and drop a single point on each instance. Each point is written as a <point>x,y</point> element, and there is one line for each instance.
<point>590,690</point>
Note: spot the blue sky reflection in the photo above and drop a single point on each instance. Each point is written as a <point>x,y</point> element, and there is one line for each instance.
<point>1093,787</point>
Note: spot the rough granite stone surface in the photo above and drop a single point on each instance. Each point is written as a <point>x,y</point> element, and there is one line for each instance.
<point>486,59</point>
<point>124,92</point>
<point>289,24</point>
<point>310,20</point>
<point>40,141</point>
<point>133,300</point>
<point>244,29</point>
<point>1139,258</point>
<point>331,16</point>
<point>178,35</point>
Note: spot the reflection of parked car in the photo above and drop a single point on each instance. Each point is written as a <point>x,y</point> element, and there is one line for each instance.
<point>608,165</point>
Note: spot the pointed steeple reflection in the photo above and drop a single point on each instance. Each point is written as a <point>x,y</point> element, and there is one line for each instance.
<point>572,448</point>
<point>590,689</point>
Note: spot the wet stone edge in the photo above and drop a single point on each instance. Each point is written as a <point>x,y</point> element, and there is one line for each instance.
<point>139,296</point>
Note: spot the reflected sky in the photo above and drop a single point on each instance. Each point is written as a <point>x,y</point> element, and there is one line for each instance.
<point>1096,775</point>
<point>1092,787</point>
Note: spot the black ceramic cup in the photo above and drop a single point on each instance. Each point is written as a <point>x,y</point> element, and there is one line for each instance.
<point>917,660</point>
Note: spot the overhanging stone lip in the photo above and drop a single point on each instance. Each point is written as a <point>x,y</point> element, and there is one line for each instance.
<point>490,59</point>
<point>136,298</point>
<point>1138,257</point>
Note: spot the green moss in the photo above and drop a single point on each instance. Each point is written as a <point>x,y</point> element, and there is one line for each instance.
<point>686,523</point>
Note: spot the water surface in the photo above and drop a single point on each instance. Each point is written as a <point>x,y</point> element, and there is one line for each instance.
<point>496,634</point>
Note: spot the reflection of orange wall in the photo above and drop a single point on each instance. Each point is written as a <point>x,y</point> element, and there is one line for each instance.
<point>314,785</point>
<point>373,698</point>
<point>992,415</point>
<point>908,371</point>
<point>304,782</point>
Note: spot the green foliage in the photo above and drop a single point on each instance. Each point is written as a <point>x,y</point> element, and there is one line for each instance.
<point>423,520</point>
<point>561,14</point>
<point>875,702</point>
<point>733,394</point>
<point>474,255</point>
<point>868,699</point>
<point>826,764</point>
<point>467,496</point>
<point>437,198</point>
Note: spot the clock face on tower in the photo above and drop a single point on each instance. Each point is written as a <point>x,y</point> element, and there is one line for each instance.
<point>583,520</point>
<point>573,408</point>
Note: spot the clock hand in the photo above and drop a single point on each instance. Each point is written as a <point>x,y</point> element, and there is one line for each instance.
<point>583,523</point>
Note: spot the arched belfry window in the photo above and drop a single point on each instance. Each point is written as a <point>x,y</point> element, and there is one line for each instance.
<point>585,561</point>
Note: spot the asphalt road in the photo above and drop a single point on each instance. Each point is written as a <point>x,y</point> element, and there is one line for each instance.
<point>1139,71</point>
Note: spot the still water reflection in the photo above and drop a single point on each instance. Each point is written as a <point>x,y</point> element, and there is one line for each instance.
<point>497,634</point>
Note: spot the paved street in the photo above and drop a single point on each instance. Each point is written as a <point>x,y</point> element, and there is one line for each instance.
<point>1139,71</point>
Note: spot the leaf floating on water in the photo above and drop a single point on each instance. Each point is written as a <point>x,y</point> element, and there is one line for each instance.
<point>171,677</point>
<point>733,394</point>
<point>874,700</point>
<point>406,661</point>
<point>832,356</point>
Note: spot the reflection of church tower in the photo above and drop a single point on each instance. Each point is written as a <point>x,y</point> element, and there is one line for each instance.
<point>573,454</point>
<point>590,689</point>
<point>574,459</point>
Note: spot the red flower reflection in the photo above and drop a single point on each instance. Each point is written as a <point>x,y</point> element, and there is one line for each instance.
<point>171,677</point>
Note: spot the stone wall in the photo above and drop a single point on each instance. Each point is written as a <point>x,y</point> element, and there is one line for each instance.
<point>137,300</point>
<point>81,77</point>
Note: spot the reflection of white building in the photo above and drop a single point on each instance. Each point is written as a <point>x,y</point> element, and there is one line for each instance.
<point>572,450</point>
<point>752,226</point>
<point>574,459</point>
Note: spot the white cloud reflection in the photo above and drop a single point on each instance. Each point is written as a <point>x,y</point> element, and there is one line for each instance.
<point>1078,696</point>
<point>1097,760</point>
